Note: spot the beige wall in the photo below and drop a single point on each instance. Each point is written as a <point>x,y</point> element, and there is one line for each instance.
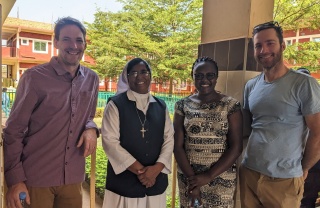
<point>6,8</point>
<point>226,37</point>
<point>232,19</point>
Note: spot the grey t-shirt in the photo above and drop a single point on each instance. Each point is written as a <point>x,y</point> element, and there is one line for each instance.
<point>277,141</point>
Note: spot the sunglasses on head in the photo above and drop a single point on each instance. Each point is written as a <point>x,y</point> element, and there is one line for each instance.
<point>270,24</point>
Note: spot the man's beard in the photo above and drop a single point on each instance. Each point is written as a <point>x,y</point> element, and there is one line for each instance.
<point>277,57</point>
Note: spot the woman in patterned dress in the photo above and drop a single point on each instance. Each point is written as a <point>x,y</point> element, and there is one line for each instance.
<point>208,140</point>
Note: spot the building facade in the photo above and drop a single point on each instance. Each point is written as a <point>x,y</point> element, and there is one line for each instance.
<point>26,44</point>
<point>302,35</point>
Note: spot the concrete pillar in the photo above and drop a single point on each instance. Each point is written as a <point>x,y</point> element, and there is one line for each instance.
<point>227,38</point>
<point>1,140</point>
<point>5,8</point>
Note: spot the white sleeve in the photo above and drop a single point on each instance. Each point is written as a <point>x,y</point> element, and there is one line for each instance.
<point>119,158</point>
<point>166,153</point>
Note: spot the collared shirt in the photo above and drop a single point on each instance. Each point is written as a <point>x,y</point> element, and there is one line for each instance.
<point>50,112</point>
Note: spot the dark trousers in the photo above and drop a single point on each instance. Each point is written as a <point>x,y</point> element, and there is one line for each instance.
<point>311,189</point>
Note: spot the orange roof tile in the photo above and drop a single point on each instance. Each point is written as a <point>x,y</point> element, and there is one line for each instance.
<point>11,21</point>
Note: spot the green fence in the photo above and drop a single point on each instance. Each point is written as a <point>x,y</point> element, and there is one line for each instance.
<point>103,98</point>
<point>169,99</point>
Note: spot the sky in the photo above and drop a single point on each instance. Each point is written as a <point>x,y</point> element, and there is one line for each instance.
<point>50,10</point>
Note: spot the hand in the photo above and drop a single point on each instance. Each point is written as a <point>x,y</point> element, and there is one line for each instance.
<point>148,175</point>
<point>13,200</point>
<point>194,195</point>
<point>198,180</point>
<point>89,138</point>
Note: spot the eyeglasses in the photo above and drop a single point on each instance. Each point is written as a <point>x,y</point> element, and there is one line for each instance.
<point>144,73</point>
<point>209,76</point>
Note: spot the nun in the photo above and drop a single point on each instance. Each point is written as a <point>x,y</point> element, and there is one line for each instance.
<point>137,137</point>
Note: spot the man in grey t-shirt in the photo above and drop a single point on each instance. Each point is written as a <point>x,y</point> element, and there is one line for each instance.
<point>281,105</point>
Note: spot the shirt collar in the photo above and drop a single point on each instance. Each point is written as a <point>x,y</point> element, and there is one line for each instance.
<point>131,97</point>
<point>60,70</point>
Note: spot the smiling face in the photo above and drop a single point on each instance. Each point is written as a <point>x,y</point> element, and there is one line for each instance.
<point>139,78</point>
<point>267,48</point>
<point>205,77</point>
<point>71,46</point>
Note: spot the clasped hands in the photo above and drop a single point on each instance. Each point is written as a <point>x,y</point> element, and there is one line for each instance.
<point>194,184</point>
<point>147,176</point>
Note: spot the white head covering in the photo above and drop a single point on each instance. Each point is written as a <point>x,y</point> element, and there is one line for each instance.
<point>123,84</point>
<point>142,100</point>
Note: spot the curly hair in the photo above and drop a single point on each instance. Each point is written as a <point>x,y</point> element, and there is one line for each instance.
<point>204,59</point>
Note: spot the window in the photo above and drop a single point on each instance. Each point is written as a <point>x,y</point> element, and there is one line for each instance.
<point>317,39</point>
<point>40,47</point>
<point>288,42</point>
<point>4,42</point>
<point>4,71</point>
<point>24,42</point>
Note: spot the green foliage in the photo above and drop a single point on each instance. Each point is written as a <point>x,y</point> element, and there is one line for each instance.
<point>307,54</point>
<point>99,113</point>
<point>101,167</point>
<point>169,202</point>
<point>295,14</point>
<point>165,33</point>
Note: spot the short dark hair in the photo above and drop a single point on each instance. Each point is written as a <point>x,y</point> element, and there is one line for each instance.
<point>204,59</point>
<point>304,70</point>
<point>68,21</point>
<point>136,61</point>
<point>272,24</point>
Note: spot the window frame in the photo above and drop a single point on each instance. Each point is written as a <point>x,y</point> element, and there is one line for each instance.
<point>24,39</point>
<point>316,39</point>
<point>39,51</point>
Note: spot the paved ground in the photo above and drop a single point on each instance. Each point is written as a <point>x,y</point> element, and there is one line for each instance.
<point>86,188</point>
<point>86,197</point>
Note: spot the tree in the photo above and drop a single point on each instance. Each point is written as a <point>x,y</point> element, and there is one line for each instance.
<point>294,15</point>
<point>164,32</point>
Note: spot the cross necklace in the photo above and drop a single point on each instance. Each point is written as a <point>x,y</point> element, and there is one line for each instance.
<point>142,123</point>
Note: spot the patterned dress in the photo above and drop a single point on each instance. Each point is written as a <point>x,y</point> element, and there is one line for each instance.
<point>206,126</point>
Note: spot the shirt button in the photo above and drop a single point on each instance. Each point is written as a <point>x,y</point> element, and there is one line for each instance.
<point>66,163</point>
<point>147,142</point>
<point>72,115</point>
<point>68,148</point>
<point>70,132</point>
<point>147,155</point>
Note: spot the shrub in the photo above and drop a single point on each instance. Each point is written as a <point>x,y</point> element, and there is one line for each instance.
<point>99,113</point>
<point>169,201</point>
<point>101,167</point>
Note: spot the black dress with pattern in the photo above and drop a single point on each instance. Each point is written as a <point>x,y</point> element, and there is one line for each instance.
<point>206,127</point>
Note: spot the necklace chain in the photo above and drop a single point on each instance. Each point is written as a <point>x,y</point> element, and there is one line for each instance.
<point>143,130</point>
<point>145,118</point>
